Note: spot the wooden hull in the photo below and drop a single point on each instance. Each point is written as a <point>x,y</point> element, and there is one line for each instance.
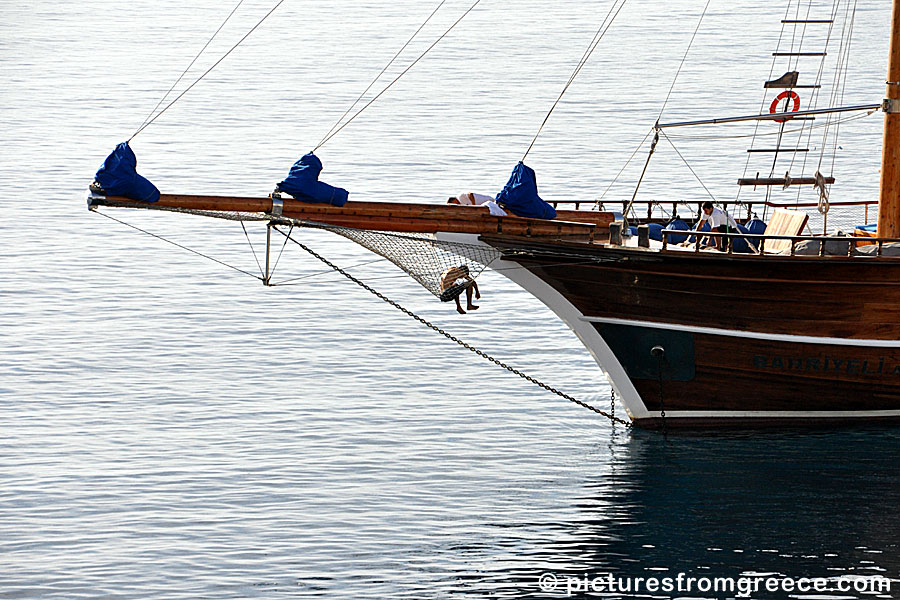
<point>746,340</point>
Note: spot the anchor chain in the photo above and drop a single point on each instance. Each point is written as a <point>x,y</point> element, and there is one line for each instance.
<point>659,353</point>
<point>453,338</point>
<point>612,402</point>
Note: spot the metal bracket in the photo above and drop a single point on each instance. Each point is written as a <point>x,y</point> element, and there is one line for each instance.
<point>277,206</point>
<point>92,200</point>
<point>94,196</point>
<point>267,277</point>
<point>890,105</point>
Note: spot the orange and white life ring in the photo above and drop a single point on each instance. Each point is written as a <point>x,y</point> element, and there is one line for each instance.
<point>773,108</point>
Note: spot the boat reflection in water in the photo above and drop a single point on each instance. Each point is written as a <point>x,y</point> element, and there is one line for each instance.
<point>804,504</point>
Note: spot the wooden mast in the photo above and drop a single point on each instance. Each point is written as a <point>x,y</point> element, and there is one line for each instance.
<point>889,201</point>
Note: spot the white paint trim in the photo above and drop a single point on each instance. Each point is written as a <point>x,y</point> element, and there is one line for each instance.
<point>796,339</point>
<point>781,414</point>
<point>574,319</point>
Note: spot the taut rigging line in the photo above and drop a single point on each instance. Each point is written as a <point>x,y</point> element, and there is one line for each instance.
<point>207,72</point>
<point>397,78</point>
<point>453,338</point>
<point>601,31</point>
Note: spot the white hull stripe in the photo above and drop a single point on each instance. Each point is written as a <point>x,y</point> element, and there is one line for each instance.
<point>779,414</point>
<point>572,317</point>
<point>755,335</point>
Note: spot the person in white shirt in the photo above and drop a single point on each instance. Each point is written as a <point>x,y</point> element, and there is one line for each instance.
<point>472,199</point>
<point>718,220</point>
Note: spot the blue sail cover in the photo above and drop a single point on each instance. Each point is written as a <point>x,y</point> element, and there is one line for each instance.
<point>520,195</point>
<point>303,183</point>
<point>118,176</point>
<point>680,226</point>
<point>756,226</point>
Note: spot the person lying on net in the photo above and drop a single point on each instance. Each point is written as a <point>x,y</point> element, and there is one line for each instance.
<point>454,281</point>
<point>471,199</point>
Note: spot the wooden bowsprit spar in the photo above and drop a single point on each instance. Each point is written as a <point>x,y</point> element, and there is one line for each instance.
<point>424,240</point>
<point>588,226</point>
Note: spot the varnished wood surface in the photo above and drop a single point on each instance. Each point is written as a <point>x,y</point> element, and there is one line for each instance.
<point>400,216</point>
<point>811,296</point>
<point>738,374</point>
<point>835,297</point>
<point>759,423</point>
<point>889,200</point>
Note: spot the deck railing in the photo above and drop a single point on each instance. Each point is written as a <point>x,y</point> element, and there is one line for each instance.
<point>649,204</point>
<point>760,247</point>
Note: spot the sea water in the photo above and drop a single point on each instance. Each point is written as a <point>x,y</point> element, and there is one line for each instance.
<point>173,429</point>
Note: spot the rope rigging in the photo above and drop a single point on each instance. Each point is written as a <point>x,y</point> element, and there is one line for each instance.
<point>253,250</point>
<point>183,73</point>
<point>397,78</point>
<point>840,83</point>
<point>183,247</point>
<point>762,105</point>
<point>622,170</point>
<point>601,31</point>
<point>681,64</point>
<point>798,18</point>
<point>630,207</point>
<point>209,70</point>
<point>377,77</point>
<point>688,165</point>
<point>340,124</point>
<point>296,280</point>
<point>453,253</point>
<point>453,338</point>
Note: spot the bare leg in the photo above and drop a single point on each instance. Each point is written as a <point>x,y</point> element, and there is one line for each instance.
<point>469,304</point>
<point>459,307</point>
<point>477,293</point>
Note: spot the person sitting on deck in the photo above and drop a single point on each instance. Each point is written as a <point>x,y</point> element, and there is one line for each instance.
<point>472,199</point>
<point>719,221</point>
<point>453,281</point>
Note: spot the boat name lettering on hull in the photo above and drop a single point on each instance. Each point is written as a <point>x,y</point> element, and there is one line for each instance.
<point>870,367</point>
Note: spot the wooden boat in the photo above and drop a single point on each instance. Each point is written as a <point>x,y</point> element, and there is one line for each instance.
<point>688,336</point>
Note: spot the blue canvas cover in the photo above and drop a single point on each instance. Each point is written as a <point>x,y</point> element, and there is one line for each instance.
<point>741,244</point>
<point>520,196</point>
<point>680,226</point>
<point>303,183</point>
<point>118,176</point>
<point>655,231</point>
<point>705,227</point>
<point>756,226</point>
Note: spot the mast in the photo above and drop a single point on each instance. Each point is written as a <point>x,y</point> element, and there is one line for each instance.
<point>889,201</point>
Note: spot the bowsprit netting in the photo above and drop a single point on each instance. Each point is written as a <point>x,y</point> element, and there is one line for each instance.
<point>421,256</point>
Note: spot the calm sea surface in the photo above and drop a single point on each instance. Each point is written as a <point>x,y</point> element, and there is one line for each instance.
<point>172,429</point>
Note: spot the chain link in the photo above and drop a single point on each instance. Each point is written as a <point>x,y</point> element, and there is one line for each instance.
<point>612,403</point>
<point>662,406</point>
<point>453,338</point>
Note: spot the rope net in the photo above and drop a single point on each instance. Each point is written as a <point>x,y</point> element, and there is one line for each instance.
<point>443,268</point>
